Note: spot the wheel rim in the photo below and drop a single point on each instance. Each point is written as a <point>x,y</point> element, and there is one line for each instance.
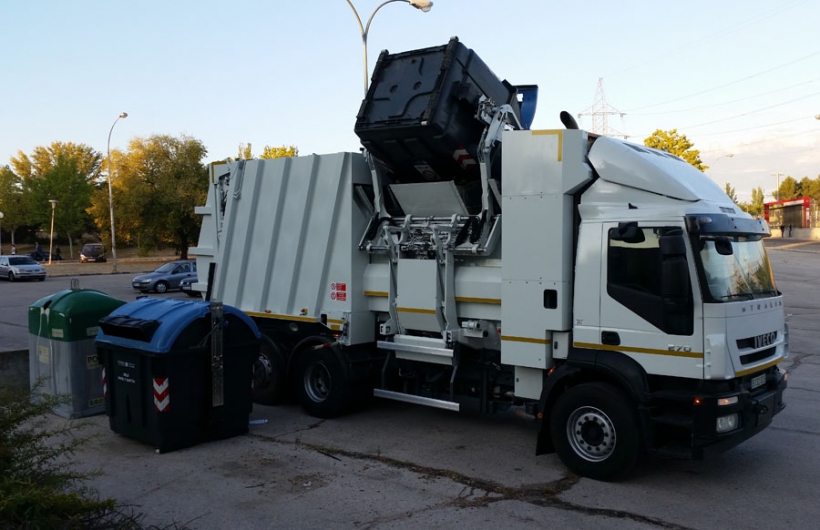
<point>317,382</point>
<point>591,434</point>
<point>262,370</point>
<point>161,288</point>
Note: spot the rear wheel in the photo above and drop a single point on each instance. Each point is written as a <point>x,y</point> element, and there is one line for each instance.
<point>322,383</point>
<point>161,287</point>
<point>595,431</point>
<point>269,374</point>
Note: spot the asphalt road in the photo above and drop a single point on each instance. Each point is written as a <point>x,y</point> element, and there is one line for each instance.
<point>400,466</point>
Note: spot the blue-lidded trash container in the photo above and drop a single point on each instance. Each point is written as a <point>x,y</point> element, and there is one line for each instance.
<point>176,372</point>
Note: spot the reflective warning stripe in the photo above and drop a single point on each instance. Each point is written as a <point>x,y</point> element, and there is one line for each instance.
<point>162,396</point>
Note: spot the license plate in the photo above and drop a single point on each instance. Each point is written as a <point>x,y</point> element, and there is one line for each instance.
<point>759,380</point>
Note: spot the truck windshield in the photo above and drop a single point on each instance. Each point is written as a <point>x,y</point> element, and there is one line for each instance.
<point>743,275</point>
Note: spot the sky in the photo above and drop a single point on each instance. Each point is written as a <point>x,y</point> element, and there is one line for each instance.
<point>738,78</point>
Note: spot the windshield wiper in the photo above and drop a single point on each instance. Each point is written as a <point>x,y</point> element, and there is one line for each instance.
<point>749,296</point>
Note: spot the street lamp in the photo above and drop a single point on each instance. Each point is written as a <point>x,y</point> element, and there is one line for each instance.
<point>1,234</point>
<point>729,155</point>
<point>51,238</point>
<point>110,195</point>
<point>422,5</point>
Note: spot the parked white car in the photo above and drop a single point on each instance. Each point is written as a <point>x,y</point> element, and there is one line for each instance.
<point>15,268</point>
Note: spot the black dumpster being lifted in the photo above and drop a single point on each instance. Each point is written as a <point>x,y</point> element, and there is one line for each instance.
<point>177,373</point>
<point>419,115</point>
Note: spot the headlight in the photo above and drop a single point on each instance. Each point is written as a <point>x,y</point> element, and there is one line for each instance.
<point>727,423</point>
<point>147,280</point>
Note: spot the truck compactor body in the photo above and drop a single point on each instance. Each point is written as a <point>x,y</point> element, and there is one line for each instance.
<point>611,291</point>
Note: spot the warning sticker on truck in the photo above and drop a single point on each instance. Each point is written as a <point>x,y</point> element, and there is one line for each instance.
<point>338,292</point>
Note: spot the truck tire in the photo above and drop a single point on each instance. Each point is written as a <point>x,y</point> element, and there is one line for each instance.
<point>322,383</point>
<point>269,374</point>
<point>594,428</point>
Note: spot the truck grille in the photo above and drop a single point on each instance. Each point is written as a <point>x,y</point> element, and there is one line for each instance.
<point>756,356</point>
<point>757,342</point>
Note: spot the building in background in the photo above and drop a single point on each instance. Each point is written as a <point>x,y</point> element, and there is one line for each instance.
<point>800,213</point>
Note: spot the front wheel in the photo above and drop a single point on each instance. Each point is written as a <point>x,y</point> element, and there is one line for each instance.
<point>12,277</point>
<point>595,431</point>
<point>322,383</point>
<point>161,287</point>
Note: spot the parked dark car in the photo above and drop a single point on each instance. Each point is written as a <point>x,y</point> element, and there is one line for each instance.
<point>13,268</point>
<point>92,252</point>
<point>166,277</point>
<point>187,286</point>
<point>43,256</point>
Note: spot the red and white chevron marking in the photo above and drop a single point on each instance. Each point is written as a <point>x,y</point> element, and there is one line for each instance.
<point>463,157</point>
<point>162,397</point>
<point>105,383</point>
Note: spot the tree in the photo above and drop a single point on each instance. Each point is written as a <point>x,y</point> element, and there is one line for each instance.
<point>789,189</point>
<point>157,184</point>
<point>676,144</point>
<point>246,152</point>
<point>730,192</point>
<point>279,152</point>
<point>11,201</point>
<point>756,206</point>
<point>63,171</point>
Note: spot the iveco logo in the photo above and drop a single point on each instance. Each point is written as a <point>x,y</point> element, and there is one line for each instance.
<point>761,341</point>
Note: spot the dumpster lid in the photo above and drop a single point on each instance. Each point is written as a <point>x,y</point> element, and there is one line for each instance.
<point>153,324</point>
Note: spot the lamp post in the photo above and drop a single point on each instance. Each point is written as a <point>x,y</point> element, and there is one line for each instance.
<point>51,237</point>
<point>1,234</point>
<point>423,5</point>
<point>729,155</point>
<point>777,189</point>
<point>111,195</point>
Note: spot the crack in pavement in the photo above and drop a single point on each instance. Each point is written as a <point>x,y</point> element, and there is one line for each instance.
<point>796,361</point>
<point>542,495</point>
<point>799,431</point>
<point>296,431</point>
<point>804,389</point>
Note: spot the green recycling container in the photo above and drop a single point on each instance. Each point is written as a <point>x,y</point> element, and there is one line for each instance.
<point>62,354</point>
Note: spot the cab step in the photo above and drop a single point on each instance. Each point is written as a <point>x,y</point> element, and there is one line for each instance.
<point>416,400</point>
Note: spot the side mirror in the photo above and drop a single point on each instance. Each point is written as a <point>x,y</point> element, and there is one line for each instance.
<point>724,246</point>
<point>628,233</point>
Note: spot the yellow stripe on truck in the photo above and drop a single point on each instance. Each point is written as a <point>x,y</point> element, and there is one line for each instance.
<point>650,351</point>
<point>525,339</point>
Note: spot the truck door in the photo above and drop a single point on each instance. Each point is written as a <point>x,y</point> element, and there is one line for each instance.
<point>649,309</point>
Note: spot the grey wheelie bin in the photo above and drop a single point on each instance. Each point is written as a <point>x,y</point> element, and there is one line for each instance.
<point>177,372</point>
<point>62,356</point>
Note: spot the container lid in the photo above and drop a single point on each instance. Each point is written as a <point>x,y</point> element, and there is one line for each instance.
<point>153,324</point>
<point>71,314</point>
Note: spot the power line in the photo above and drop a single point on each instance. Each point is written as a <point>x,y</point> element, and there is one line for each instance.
<point>728,84</point>
<point>743,129</point>
<point>750,112</point>
<point>713,36</point>
<point>723,104</point>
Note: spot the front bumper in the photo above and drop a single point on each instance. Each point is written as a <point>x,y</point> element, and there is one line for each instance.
<point>755,407</point>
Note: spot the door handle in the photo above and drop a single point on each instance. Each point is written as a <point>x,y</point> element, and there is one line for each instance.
<point>611,338</point>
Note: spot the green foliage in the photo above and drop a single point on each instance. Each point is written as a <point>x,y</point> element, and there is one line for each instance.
<point>730,192</point>
<point>677,144</point>
<point>64,172</point>
<point>789,189</point>
<point>156,186</point>
<point>756,206</point>
<point>38,488</point>
<point>11,201</point>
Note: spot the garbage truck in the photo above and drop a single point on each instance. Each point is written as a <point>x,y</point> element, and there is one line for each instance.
<point>462,260</point>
